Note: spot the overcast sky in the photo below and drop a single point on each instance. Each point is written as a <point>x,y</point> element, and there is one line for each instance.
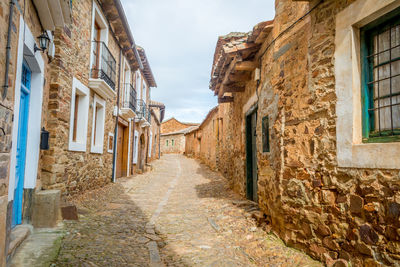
<point>179,37</point>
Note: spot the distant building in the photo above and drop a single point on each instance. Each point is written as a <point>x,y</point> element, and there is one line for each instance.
<point>173,135</point>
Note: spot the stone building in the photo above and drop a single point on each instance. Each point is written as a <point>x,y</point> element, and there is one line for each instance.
<point>25,79</point>
<point>80,92</point>
<point>174,142</point>
<point>202,142</point>
<point>309,121</point>
<point>157,113</point>
<point>173,135</point>
<point>144,133</point>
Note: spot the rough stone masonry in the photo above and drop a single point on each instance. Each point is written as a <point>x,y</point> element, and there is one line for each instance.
<point>333,212</point>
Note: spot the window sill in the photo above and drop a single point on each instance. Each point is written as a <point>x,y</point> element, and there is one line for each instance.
<point>371,156</point>
<point>96,150</point>
<point>77,147</point>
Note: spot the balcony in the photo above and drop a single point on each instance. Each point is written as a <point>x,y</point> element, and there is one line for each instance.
<point>102,74</point>
<point>129,104</point>
<point>143,113</point>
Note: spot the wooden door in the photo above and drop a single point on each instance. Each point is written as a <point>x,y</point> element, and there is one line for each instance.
<point>120,147</point>
<point>251,156</point>
<point>122,151</point>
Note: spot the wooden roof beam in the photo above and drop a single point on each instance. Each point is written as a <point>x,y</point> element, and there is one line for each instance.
<point>246,66</point>
<point>240,77</point>
<point>234,89</point>
<point>226,76</point>
<point>225,99</point>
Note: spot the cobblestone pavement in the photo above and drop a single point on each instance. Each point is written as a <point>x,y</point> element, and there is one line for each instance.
<point>183,209</point>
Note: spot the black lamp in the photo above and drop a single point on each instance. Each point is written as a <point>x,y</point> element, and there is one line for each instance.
<point>44,41</point>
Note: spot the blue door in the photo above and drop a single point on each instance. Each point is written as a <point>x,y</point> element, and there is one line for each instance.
<point>21,145</point>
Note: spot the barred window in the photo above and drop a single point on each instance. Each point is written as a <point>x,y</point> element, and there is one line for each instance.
<point>380,50</point>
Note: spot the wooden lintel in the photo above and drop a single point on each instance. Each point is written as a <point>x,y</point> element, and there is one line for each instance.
<point>234,89</point>
<point>246,66</point>
<point>225,99</point>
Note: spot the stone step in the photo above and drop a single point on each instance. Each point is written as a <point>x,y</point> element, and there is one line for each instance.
<point>18,235</point>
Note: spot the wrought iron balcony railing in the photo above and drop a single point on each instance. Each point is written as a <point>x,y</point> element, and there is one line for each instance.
<point>142,110</point>
<point>104,64</point>
<point>131,102</point>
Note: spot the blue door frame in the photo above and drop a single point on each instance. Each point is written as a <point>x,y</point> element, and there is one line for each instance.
<point>21,145</point>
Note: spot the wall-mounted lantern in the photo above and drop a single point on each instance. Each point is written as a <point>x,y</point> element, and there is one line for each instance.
<point>44,139</point>
<point>44,41</point>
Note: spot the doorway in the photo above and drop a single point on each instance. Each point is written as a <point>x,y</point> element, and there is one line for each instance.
<point>21,144</point>
<point>142,152</point>
<point>251,155</point>
<point>122,151</point>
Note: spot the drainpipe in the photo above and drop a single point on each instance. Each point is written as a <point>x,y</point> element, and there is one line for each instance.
<point>8,50</point>
<point>113,179</point>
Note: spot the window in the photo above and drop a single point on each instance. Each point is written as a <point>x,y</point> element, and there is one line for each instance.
<point>355,106</point>
<point>99,35</point>
<point>172,142</point>
<point>167,142</point>
<point>265,134</point>
<point>144,93</point>
<point>138,82</point>
<point>79,116</point>
<point>135,148</point>
<point>99,106</point>
<point>380,55</point>
<point>150,143</point>
<point>110,143</point>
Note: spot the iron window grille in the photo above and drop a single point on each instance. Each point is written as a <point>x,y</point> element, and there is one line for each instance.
<point>380,54</point>
<point>131,102</point>
<point>105,64</point>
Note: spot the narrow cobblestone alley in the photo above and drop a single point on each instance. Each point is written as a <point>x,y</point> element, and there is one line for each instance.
<point>181,207</point>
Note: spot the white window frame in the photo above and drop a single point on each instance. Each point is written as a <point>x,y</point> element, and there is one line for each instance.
<point>83,115</point>
<point>150,143</point>
<point>135,147</point>
<point>98,148</point>
<point>97,15</point>
<point>127,79</point>
<point>108,143</point>
<point>144,91</point>
<point>138,83</point>
<point>351,152</point>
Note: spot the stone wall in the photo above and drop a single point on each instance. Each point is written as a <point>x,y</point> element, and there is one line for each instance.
<point>313,204</point>
<point>209,130</point>
<point>155,129</point>
<point>71,171</point>
<point>179,143</point>
<point>192,144</point>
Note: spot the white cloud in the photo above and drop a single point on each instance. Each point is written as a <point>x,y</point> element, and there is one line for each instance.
<point>179,37</point>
